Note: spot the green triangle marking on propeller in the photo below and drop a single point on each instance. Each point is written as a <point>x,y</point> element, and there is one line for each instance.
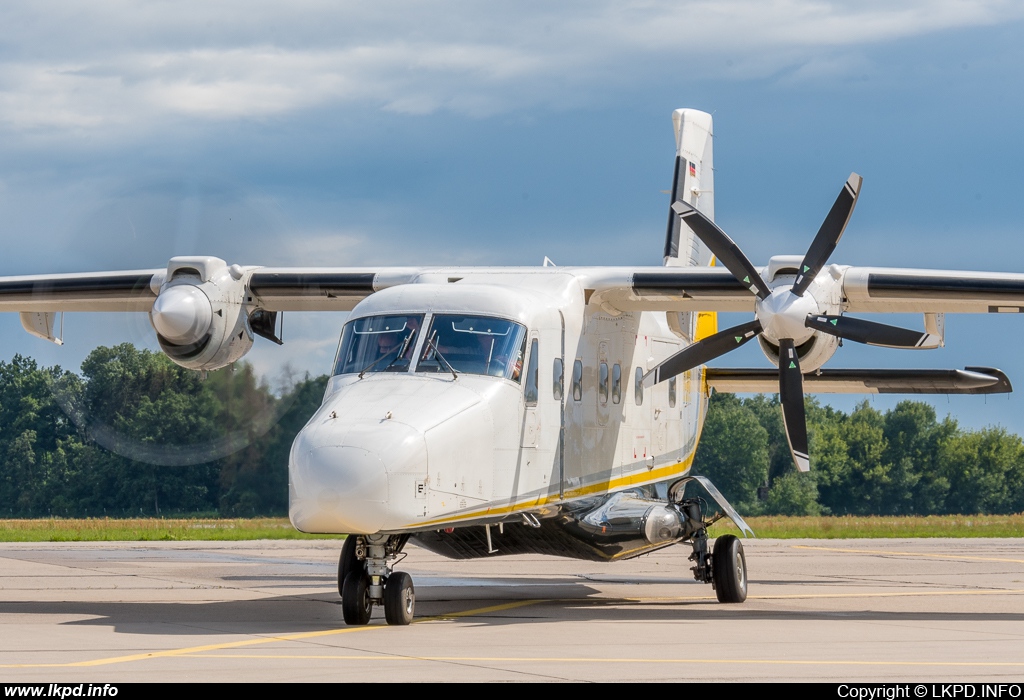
<point>806,268</point>
<point>739,338</point>
<point>835,321</point>
<point>747,279</point>
<point>792,365</point>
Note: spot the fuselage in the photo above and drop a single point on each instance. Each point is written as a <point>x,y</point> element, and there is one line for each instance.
<point>474,400</point>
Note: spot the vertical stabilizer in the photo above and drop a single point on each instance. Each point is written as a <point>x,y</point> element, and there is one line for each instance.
<point>694,183</point>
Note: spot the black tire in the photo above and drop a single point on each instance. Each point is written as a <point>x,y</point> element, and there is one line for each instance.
<point>729,570</point>
<point>356,605</point>
<point>399,599</point>
<point>347,562</point>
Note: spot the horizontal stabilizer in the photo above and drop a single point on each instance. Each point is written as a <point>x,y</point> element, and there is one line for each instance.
<point>970,380</point>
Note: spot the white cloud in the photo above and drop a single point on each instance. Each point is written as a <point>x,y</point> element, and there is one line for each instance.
<point>123,66</point>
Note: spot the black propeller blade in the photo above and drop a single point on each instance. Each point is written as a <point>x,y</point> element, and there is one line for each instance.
<point>791,394</point>
<point>702,352</point>
<point>727,252</point>
<point>790,379</point>
<point>828,235</point>
<point>871,333</point>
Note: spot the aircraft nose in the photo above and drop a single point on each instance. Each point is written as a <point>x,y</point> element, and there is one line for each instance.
<point>337,488</point>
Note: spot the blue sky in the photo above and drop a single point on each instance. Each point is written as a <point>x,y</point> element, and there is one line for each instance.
<point>460,132</point>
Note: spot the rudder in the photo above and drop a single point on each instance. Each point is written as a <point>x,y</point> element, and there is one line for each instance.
<point>693,183</point>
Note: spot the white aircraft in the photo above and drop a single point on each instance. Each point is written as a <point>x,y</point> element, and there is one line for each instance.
<point>500,410</point>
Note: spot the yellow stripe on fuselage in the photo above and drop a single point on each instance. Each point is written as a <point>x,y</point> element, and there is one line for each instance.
<point>638,478</point>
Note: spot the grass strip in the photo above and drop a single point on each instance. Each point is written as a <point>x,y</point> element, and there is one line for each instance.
<point>780,527</point>
<point>150,530</point>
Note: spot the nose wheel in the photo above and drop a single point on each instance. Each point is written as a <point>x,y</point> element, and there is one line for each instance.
<point>347,562</point>
<point>356,604</point>
<point>365,579</point>
<point>399,599</point>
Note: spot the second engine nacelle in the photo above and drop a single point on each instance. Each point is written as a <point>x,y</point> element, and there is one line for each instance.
<point>813,353</point>
<point>200,313</point>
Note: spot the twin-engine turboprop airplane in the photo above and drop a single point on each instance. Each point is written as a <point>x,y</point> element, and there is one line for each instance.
<point>554,410</point>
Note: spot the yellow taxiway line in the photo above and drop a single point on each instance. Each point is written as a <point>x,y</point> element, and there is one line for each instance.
<point>299,636</point>
<point>203,650</point>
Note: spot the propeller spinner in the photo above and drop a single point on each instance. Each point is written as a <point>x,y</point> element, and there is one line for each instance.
<point>786,316</point>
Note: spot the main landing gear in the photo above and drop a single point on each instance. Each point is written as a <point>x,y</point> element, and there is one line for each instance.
<point>724,567</point>
<point>365,579</point>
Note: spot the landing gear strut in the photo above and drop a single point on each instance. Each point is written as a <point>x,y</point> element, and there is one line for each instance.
<point>365,579</point>
<point>725,567</point>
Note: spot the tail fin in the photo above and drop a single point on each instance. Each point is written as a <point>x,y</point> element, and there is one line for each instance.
<point>694,183</point>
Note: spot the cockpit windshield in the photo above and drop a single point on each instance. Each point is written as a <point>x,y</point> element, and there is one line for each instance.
<point>378,344</point>
<point>474,345</point>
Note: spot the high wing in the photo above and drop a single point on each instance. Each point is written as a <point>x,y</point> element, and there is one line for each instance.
<point>864,290</point>
<point>616,289</point>
<point>273,289</point>
<point>880,289</point>
<point>126,290</point>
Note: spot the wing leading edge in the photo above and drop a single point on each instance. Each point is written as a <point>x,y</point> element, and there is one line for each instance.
<point>623,289</point>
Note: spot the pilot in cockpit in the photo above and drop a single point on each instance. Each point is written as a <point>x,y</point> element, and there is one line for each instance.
<point>387,343</point>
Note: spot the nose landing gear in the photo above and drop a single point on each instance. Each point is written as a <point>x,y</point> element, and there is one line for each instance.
<point>365,579</point>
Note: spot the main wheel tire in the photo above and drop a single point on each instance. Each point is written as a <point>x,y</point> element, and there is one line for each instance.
<point>729,570</point>
<point>399,599</point>
<point>356,604</point>
<point>347,562</point>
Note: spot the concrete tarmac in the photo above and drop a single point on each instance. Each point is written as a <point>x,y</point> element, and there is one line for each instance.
<point>936,610</point>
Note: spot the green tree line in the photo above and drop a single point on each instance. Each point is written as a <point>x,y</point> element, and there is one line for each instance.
<point>182,443</point>
<point>134,434</point>
<point>901,462</point>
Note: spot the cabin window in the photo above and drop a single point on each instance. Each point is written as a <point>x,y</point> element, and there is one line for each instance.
<point>616,383</point>
<point>672,392</point>
<point>577,380</point>
<point>558,380</point>
<point>638,387</point>
<point>602,383</point>
<point>378,344</point>
<point>532,378</point>
<point>474,345</point>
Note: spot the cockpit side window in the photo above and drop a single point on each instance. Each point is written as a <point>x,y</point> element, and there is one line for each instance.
<point>474,345</point>
<point>532,376</point>
<point>378,344</point>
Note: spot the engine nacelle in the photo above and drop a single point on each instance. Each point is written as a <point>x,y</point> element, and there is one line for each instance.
<point>200,314</point>
<point>782,314</point>
<point>813,353</point>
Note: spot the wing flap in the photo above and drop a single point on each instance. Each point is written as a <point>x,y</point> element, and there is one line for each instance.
<point>971,380</point>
